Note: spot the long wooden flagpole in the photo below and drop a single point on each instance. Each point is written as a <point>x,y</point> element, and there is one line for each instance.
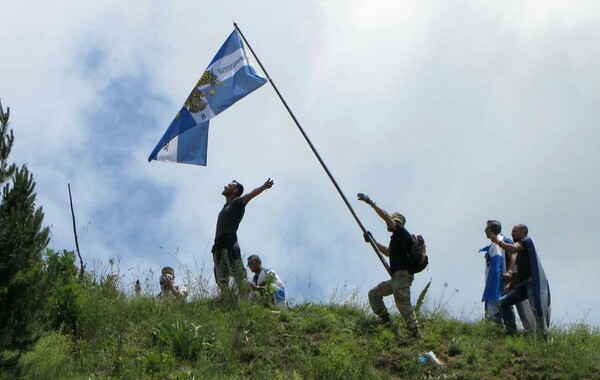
<point>314,150</point>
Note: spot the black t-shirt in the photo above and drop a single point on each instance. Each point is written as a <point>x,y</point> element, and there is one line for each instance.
<point>523,264</point>
<point>399,248</point>
<point>230,217</point>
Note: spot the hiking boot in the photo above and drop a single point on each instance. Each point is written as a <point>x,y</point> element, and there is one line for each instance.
<point>414,334</point>
<point>385,320</point>
<point>387,323</point>
<point>512,331</point>
<point>394,329</point>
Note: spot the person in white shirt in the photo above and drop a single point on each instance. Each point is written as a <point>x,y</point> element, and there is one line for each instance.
<point>266,281</point>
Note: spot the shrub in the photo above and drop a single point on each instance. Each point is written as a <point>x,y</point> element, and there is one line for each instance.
<point>50,358</point>
<point>63,291</point>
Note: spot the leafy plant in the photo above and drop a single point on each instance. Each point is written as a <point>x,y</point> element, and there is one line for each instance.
<point>186,340</point>
<point>421,298</point>
<point>270,284</point>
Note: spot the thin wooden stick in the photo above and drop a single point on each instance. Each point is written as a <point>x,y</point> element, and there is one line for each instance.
<point>81,264</point>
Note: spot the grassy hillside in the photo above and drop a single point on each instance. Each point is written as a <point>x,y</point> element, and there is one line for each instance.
<point>111,335</point>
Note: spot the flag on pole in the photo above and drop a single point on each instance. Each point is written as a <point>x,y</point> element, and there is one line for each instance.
<point>228,78</point>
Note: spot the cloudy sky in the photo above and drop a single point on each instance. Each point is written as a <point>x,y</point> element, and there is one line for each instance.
<point>449,112</point>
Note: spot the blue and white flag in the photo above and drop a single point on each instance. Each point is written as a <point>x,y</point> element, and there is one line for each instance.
<point>494,269</point>
<point>496,266</point>
<point>227,79</point>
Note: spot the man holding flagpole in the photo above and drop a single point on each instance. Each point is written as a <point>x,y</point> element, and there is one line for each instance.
<point>402,276</point>
<point>227,255</point>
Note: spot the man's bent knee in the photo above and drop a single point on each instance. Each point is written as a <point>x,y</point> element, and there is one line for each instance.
<point>374,294</point>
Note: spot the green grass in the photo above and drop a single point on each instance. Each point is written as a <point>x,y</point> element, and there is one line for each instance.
<point>115,336</point>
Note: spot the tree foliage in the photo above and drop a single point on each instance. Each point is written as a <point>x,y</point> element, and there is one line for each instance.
<point>22,243</point>
<point>6,143</point>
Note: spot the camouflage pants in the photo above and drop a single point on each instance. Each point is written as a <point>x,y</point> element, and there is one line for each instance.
<point>399,286</point>
<point>228,263</point>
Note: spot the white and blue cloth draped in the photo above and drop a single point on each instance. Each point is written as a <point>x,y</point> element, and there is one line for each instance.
<point>277,285</point>
<point>495,268</point>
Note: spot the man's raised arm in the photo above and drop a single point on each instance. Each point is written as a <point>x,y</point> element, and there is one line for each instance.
<point>507,247</point>
<point>391,224</point>
<point>248,197</point>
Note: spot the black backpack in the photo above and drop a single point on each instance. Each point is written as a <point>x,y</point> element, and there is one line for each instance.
<point>417,256</point>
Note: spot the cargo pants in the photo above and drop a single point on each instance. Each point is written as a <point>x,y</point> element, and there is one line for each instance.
<point>228,263</point>
<point>399,286</point>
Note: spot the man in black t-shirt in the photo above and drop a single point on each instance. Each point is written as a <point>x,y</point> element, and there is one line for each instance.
<point>398,250</point>
<point>226,251</point>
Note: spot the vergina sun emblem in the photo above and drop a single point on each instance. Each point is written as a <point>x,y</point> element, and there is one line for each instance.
<point>196,102</point>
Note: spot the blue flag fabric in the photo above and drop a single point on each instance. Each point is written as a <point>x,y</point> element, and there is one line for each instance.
<point>493,273</point>
<point>228,78</point>
<point>535,314</point>
<point>496,263</point>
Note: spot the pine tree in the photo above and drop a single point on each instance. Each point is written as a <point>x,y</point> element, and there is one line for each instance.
<point>6,143</point>
<point>22,243</point>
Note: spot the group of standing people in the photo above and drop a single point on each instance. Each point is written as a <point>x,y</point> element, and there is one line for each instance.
<point>514,275</point>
